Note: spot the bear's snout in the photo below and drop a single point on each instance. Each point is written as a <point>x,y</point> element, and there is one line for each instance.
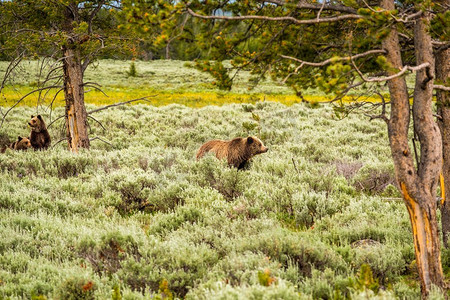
<point>264,150</point>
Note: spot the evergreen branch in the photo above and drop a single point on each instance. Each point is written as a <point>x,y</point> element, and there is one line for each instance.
<point>278,19</point>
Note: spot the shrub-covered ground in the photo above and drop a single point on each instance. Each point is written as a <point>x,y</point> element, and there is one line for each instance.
<point>315,217</point>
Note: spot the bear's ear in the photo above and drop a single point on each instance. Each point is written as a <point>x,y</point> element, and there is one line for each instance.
<point>39,117</point>
<point>19,138</point>
<point>32,116</point>
<point>250,140</point>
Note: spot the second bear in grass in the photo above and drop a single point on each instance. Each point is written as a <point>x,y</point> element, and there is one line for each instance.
<point>22,143</point>
<point>39,137</point>
<point>238,151</point>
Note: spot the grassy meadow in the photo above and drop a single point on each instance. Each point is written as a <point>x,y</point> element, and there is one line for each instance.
<point>316,217</point>
<point>164,82</point>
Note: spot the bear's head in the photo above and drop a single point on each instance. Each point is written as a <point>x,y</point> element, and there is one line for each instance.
<point>23,143</point>
<point>36,123</point>
<point>255,146</point>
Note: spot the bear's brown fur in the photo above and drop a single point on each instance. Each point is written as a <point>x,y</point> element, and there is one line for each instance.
<point>39,137</point>
<point>22,143</point>
<point>238,151</point>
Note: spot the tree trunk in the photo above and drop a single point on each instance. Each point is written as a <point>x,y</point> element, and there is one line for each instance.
<point>418,186</point>
<point>76,115</point>
<point>443,102</point>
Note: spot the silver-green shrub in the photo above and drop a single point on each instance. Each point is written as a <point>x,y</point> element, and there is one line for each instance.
<point>142,213</point>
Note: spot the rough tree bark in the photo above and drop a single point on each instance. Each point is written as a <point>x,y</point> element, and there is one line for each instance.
<point>418,186</point>
<point>75,115</point>
<point>443,100</point>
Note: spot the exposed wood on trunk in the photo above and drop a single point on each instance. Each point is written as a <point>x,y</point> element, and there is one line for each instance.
<point>76,116</point>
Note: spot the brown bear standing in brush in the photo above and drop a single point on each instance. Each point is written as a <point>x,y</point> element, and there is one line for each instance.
<point>238,151</point>
<point>22,143</point>
<point>39,137</point>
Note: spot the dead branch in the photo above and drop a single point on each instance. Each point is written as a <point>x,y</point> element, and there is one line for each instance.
<point>53,100</point>
<point>382,115</point>
<point>63,139</point>
<point>304,5</point>
<point>295,166</point>
<point>100,139</point>
<point>99,123</point>
<point>328,61</point>
<point>12,65</point>
<point>95,86</point>
<point>277,19</point>
<point>103,108</point>
<point>51,123</point>
<point>119,104</point>
<point>20,100</point>
<point>381,79</point>
<point>441,87</point>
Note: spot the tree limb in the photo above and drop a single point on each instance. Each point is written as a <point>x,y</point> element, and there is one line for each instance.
<point>441,87</point>
<point>381,79</point>
<point>20,100</point>
<point>328,61</point>
<point>304,5</point>
<point>119,104</point>
<point>286,18</point>
<point>100,139</point>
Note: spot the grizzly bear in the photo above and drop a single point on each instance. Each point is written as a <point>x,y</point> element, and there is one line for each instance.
<point>22,143</point>
<point>238,151</point>
<point>39,137</point>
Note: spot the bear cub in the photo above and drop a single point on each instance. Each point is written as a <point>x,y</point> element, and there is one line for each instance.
<point>238,151</point>
<point>39,137</point>
<point>22,143</point>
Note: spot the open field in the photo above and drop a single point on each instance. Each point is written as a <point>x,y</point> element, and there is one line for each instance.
<point>143,212</point>
<point>166,81</point>
<point>316,217</point>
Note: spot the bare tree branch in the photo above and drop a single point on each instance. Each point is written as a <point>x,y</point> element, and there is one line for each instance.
<point>286,18</point>
<point>441,87</point>
<point>20,100</point>
<point>63,139</point>
<point>381,79</point>
<point>119,104</point>
<point>12,65</point>
<point>95,86</point>
<point>328,61</point>
<point>304,5</point>
<point>99,123</point>
<point>100,139</point>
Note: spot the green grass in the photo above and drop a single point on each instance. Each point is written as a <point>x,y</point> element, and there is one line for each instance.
<point>143,211</point>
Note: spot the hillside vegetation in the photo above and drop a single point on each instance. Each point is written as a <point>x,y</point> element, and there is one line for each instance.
<point>142,217</point>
